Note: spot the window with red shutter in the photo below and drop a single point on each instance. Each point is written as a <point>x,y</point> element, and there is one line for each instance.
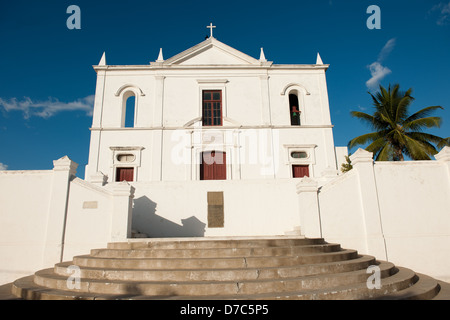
<point>124,174</point>
<point>300,171</point>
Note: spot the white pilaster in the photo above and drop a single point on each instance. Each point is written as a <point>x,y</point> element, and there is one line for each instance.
<point>309,208</point>
<point>123,194</point>
<point>63,170</point>
<point>362,162</point>
<point>265,100</point>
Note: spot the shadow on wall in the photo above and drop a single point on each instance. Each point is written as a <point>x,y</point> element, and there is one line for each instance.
<point>145,220</point>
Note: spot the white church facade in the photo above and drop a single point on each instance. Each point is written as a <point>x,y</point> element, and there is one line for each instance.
<point>208,119</point>
<point>215,143</point>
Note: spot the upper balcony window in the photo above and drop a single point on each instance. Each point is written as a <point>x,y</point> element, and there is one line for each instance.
<point>212,108</point>
<point>294,109</point>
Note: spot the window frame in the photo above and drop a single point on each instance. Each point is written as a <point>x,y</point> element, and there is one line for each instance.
<point>211,118</point>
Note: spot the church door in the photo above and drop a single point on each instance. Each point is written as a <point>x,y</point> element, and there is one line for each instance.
<point>300,171</point>
<point>213,166</point>
<point>124,174</point>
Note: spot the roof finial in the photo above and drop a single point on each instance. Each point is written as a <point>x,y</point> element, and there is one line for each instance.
<point>160,56</point>
<point>319,59</point>
<point>262,57</point>
<point>211,27</point>
<point>103,60</point>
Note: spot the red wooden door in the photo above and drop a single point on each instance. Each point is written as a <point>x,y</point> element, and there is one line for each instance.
<point>124,174</point>
<point>213,166</point>
<point>299,171</point>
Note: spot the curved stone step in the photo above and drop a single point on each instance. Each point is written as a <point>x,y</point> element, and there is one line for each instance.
<point>362,262</point>
<point>48,278</point>
<point>214,252</point>
<point>245,268</point>
<point>444,291</point>
<point>402,279</point>
<point>425,288</point>
<point>396,283</point>
<point>202,243</point>
<point>208,263</point>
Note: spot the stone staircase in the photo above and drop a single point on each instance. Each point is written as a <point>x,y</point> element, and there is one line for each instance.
<point>284,267</point>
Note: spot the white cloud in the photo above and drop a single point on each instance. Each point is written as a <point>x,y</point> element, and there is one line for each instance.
<point>377,70</point>
<point>444,13</point>
<point>47,109</point>
<point>387,49</point>
<point>3,167</point>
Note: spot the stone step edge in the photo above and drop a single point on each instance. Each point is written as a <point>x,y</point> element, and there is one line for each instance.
<point>49,279</point>
<point>425,288</point>
<point>403,279</point>
<point>206,263</point>
<point>212,240</point>
<point>308,255</point>
<point>364,260</point>
<point>24,287</point>
<point>98,252</point>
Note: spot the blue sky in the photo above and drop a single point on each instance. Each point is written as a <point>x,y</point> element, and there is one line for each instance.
<point>47,81</point>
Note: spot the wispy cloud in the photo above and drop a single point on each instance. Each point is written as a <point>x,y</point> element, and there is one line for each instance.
<point>443,10</point>
<point>47,109</point>
<point>3,167</point>
<point>377,70</point>
<point>387,49</point>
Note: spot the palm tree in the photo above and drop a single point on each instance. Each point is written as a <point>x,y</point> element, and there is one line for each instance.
<point>396,133</point>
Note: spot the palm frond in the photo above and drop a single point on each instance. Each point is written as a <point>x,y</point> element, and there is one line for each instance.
<point>371,120</point>
<point>377,145</point>
<point>424,137</point>
<point>418,150</point>
<point>425,112</point>
<point>444,142</point>
<point>365,138</point>
<point>385,154</point>
<point>419,124</point>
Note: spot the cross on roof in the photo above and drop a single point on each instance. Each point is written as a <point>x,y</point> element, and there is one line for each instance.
<point>211,27</point>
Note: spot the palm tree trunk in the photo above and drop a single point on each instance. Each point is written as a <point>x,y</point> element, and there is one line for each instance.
<point>398,154</point>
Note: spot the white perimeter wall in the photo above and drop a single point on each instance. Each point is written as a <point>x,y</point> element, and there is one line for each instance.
<point>24,199</point>
<point>49,216</point>
<point>180,209</point>
<point>395,211</point>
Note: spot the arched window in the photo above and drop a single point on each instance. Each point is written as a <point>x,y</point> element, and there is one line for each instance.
<point>129,110</point>
<point>294,109</point>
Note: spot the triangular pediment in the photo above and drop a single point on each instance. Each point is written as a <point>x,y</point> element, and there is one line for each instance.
<point>211,52</point>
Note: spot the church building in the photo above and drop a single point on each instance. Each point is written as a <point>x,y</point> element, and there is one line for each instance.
<point>210,137</point>
<point>215,143</point>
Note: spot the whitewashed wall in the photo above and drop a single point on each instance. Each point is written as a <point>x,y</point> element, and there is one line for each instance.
<point>395,211</point>
<point>49,216</point>
<point>24,203</point>
<point>251,208</point>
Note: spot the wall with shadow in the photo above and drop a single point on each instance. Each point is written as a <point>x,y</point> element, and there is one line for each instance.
<point>145,220</point>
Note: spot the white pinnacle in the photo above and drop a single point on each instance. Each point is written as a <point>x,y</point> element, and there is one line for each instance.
<point>102,60</point>
<point>262,57</point>
<point>319,59</point>
<point>160,56</point>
